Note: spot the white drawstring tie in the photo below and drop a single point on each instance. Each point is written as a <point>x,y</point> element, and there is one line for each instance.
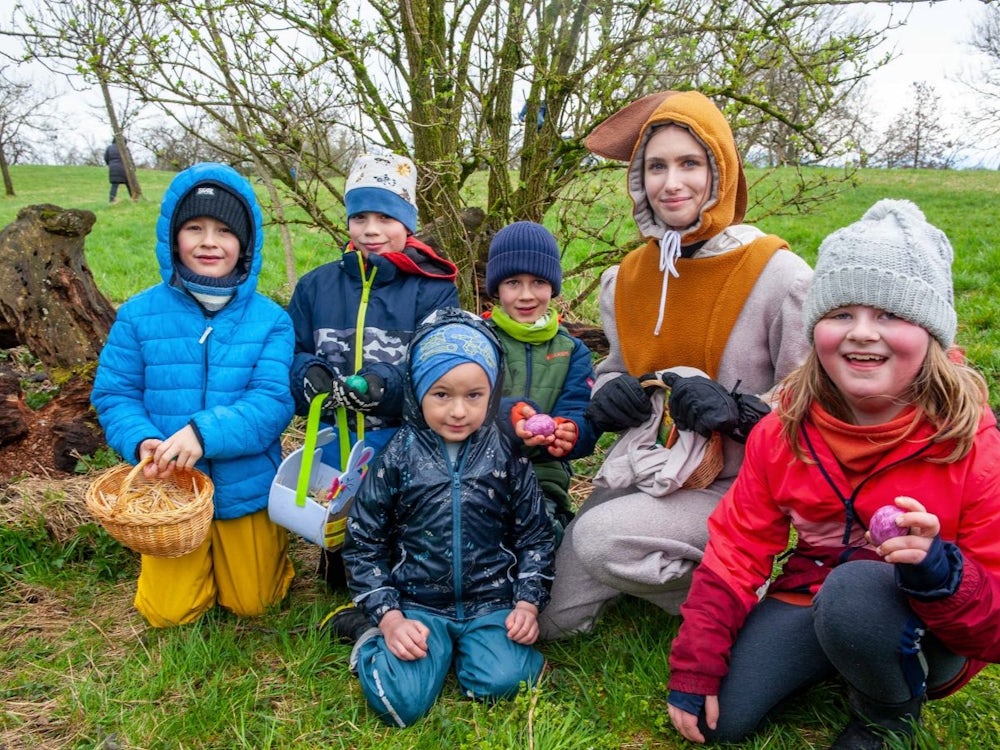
<point>670,251</point>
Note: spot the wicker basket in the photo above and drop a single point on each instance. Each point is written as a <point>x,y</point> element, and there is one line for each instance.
<point>163,517</point>
<point>710,466</point>
<point>713,460</point>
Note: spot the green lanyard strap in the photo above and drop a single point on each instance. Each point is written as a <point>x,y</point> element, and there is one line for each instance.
<point>316,406</point>
<point>359,346</point>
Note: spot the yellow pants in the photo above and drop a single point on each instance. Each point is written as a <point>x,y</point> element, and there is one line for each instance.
<point>243,566</point>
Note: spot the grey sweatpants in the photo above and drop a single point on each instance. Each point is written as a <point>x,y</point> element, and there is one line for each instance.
<point>854,628</point>
<point>626,542</point>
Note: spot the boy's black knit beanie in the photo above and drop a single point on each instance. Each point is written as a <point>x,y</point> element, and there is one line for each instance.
<point>219,203</point>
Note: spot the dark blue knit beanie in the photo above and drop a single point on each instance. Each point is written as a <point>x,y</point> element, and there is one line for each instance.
<point>523,247</point>
<point>218,202</point>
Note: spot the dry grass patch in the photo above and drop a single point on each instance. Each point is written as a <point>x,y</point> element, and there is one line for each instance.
<point>33,612</point>
<point>59,503</point>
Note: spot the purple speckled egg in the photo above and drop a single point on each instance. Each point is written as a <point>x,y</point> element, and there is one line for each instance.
<point>883,526</point>
<point>540,424</point>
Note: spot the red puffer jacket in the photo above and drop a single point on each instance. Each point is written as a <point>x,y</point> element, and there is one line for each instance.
<point>775,491</point>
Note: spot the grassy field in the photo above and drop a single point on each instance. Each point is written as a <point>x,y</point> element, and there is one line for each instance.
<point>120,248</point>
<point>80,670</point>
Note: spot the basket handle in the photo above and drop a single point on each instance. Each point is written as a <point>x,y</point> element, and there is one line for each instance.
<point>127,482</point>
<point>309,445</point>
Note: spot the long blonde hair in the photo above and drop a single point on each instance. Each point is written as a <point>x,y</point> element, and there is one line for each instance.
<point>949,395</point>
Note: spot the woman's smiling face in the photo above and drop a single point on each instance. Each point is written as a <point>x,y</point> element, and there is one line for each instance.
<point>677,176</point>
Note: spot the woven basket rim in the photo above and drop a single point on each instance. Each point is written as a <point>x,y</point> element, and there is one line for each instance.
<point>165,533</point>
<point>201,489</point>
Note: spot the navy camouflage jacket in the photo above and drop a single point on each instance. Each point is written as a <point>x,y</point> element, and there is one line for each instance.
<point>331,302</point>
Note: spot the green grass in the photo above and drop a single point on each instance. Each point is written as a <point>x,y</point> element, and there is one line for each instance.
<point>80,670</point>
<point>120,249</point>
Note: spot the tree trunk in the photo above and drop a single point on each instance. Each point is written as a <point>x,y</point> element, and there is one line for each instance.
<point>50,305</point>
<point>48,299</point>
<point>77,436</point>
<point>8,184</point>
<point>13,425</point>
<point>134,189</point>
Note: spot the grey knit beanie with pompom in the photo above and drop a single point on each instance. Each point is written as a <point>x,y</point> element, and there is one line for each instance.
<point>891,259</point>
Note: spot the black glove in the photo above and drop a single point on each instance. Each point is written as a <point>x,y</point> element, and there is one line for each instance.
<point>751,410</point>
<point>619,404</point>
<point>358,392</point>
<point>701,405</point>
<point>317,380</point>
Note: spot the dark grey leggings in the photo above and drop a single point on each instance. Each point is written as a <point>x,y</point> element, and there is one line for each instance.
<point>854,628</point>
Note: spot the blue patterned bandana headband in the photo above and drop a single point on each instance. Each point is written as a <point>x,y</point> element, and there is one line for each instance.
<point>446,348</point>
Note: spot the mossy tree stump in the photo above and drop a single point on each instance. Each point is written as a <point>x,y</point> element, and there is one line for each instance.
<point>50,305</point>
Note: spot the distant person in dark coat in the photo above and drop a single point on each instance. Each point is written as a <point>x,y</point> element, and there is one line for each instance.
<point>116,170</point>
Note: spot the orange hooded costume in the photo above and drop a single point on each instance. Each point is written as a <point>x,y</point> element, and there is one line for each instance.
<point>718,296</point>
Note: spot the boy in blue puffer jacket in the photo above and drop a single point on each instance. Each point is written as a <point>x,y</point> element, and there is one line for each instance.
<point>195,374</point>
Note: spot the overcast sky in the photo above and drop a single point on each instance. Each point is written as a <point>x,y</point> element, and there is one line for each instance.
<point>931,48</point>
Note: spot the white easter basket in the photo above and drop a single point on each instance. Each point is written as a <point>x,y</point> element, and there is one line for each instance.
<point>303,477</point>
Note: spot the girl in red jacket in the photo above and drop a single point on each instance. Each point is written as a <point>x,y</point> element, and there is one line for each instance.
<point>879,414</point>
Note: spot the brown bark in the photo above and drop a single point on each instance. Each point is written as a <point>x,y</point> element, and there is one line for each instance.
<point>80,435</point>
<point>8,183</point>
<point>48,299</point>
<point>13,425</point>
<point>593,336</point>
<point>50,305</point>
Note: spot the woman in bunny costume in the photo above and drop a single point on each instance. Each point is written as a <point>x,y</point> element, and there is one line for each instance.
<point>703,292</point>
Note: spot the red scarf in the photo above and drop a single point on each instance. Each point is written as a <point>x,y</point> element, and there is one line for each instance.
<point>859,448</point>
<point>419,259</point>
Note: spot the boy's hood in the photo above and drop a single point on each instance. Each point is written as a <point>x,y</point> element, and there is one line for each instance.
<point>226,176</point>
<point>411,408</point>
<point>624,135</point>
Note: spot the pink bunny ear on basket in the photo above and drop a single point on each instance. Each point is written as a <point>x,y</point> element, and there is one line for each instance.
<point>637,459</point>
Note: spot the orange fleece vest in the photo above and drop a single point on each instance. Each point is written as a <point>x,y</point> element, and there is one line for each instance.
<point>702,306</point>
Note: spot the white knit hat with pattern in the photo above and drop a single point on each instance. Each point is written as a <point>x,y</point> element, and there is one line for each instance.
<point>891,259</point>
<point>384,184</point>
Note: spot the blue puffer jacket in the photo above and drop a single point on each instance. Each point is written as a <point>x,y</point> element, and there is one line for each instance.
<point>461,539</point>
<point>167,363</point>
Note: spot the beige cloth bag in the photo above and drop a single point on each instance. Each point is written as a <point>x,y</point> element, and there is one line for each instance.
<point>637,460</point>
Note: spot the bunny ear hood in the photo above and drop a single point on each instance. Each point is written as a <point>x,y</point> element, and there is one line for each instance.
<point>615,138</point>
<point>624,135</point>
